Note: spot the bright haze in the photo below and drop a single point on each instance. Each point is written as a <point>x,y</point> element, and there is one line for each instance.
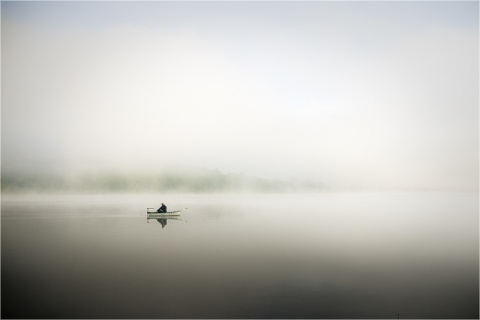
<point>357,95</point>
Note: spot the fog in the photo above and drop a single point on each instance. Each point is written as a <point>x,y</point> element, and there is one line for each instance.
<point>354,95</point>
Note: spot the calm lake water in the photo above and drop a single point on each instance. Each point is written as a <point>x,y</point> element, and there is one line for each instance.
<point>241,256</point>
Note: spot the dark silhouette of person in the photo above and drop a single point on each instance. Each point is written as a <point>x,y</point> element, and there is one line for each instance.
<point>163,222</point>
<point>163,208</point>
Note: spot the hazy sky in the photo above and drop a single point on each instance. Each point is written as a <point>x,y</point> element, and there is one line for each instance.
<point>354,94</point>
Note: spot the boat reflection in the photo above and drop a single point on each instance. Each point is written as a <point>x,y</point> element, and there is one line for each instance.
<point>163,220</point>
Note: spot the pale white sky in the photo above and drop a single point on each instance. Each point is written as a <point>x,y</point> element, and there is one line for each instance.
<point>376,95</point>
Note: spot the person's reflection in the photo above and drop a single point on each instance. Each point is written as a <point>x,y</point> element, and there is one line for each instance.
<point>163,222</point>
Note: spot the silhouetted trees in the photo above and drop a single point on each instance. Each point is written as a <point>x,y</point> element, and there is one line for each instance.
<point>193,181</point>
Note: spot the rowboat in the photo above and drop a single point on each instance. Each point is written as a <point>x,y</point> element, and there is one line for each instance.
<point>152,213</point>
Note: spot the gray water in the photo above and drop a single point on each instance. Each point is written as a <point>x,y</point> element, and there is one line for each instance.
<point>241,256</point>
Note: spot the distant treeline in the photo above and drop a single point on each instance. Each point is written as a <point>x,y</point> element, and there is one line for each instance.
<point>199,181</point>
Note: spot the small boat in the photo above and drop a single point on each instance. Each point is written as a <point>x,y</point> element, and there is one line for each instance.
<point>152,213</point>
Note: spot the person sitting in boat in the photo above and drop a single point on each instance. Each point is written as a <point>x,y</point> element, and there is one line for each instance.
<point>163,208</point>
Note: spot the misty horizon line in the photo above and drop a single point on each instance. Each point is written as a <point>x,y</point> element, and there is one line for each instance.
<point>192,180</point>
<point>172,180</point>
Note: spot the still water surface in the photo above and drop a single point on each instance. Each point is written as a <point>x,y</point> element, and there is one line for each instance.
<point>241,256</point>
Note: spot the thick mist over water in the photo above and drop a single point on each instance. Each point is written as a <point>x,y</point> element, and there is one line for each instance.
<point>353,96</point>
<point>327,152</point>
